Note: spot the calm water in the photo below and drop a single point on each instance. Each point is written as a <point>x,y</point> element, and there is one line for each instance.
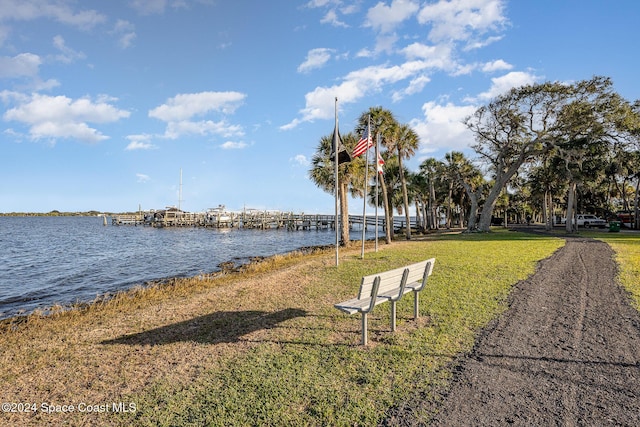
<point>61,260</point>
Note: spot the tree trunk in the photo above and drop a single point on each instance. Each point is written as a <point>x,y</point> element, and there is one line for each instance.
<point>545,210</point>
<point>344,215</point>
<point>432,206</point>
<point>405,198</point>
<point>449,203</point>
<point>571,224</point>
<point>548,211</point>
<point>387,216</point>
<point>425,221</point>
<point>636,221</point>
<point>494,193</point>
<point>487,209</point>
<point>623,193</point>
<point>473,210</point>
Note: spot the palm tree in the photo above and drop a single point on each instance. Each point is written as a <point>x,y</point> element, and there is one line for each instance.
<point>416,187</point>
<point>322,174</point>
<point>460,171</point>
<point>381,121</point>
<point>404,141</point>
<point>429,170</point>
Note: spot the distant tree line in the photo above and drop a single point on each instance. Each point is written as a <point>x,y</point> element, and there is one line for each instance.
<point>541,150</point>
<point>54,213</point>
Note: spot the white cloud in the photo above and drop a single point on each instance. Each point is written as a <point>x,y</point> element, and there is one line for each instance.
<point>26,66</point>
<point>230,145</point>
<point>125,32</point>
<point>300,160</point>
<point>364,53</point>
<point>331,18</point>
<point>29,10</point>
<point>66,55</point>
<point>439,57</point>
<point>320,102</point>
<point>21,65</point>
<point>292,124</point>
<point>461,19</point>
<point>316,58</point>
<point>501,85</point>
<point>203,127</point>
<point>149,7</point>
<point>451,23</point>
<point>477,43</point>
<point>498,65</point>
<point>321,3</point>
<point>8,96</point>
<point>53,117</point>
<point>139,142</point>
<point>142,178</point>
<point>385,18</point>
<point>178,112</point>
<point>185,106</point>
<point>386,43</point>
<point>442,127</point>
<point>415,86</point>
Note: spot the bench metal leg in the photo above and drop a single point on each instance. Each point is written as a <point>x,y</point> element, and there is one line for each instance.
<point>393,316</point>
<point>364,328</point>
<point>415,306</point>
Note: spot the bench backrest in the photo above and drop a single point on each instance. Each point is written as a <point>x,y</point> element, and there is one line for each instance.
<point>420,271</point>
<point>388,280</point>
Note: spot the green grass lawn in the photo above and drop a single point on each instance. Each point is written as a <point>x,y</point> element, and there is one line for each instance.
<point>626,244</point>
<point>310,370</point>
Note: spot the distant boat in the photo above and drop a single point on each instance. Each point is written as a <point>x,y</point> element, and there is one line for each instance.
<point>171,215</point>
<point>218,215</point>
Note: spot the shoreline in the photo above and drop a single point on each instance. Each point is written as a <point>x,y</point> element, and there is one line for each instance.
<point>225,268</point>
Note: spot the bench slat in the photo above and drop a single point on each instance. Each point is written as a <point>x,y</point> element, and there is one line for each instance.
<point>415,280</point>
<point>388,280</point>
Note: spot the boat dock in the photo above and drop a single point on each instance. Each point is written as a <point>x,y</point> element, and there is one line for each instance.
<point>251,219</point>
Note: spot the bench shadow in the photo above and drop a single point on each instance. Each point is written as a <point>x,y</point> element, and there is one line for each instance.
<point>218,327</point>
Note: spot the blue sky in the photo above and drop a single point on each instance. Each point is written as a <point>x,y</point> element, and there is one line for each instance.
<point>102,103</point>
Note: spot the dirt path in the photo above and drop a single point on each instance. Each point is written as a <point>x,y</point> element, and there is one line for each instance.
<point>566,353</point>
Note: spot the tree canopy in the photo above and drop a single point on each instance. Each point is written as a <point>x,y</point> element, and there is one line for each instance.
<point>542,150</point>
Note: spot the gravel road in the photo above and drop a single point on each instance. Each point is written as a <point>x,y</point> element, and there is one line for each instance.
<point>566,352</point>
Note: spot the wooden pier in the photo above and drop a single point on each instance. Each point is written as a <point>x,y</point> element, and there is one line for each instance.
<point>250,219</point>
<point>253,219</point>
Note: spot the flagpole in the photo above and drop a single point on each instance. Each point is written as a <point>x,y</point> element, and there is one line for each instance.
<point>335,170</point>
<point>366,183</point>
<point>377,180</point>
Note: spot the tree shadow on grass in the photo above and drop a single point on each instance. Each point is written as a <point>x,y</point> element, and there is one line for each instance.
<point>214,328</point>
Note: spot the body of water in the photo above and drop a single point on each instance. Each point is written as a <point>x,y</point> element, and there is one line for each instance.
<point>46,261</point>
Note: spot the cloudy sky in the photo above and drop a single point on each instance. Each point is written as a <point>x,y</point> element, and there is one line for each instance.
<point>103,103</point>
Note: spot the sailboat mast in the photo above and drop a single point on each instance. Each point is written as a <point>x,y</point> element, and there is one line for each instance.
<point>180,192</point>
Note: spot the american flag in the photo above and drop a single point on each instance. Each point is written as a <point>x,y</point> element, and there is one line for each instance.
<point>364,144</point>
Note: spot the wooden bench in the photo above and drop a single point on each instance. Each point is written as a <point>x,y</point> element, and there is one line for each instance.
<point>388,286</point>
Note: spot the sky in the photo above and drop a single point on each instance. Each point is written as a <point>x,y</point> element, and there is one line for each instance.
<point>111,105</point>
